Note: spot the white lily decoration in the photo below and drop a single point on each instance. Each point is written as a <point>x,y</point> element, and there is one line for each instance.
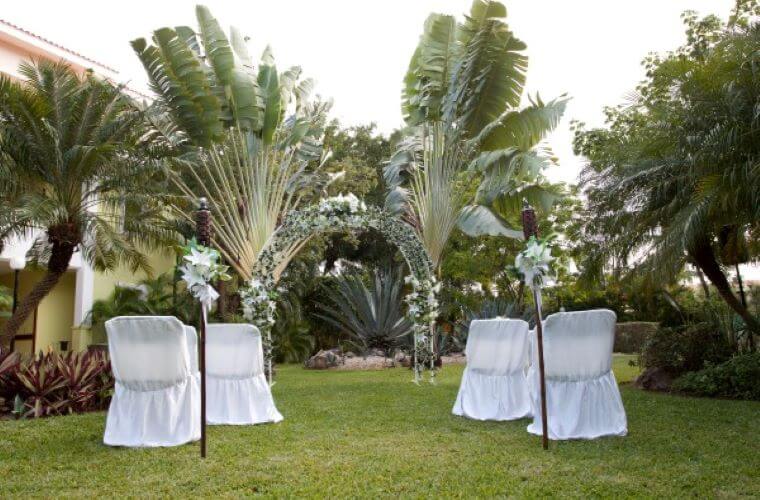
<point>533,262</point>
<point>201,267</point>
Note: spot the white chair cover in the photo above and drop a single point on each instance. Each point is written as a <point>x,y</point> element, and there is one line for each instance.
<point>156,399</point>
<point>493,384</point>
<point>582,396</point>
<point>237,390</point>
<point>192,347</point>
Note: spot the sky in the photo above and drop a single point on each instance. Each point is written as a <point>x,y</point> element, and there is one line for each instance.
<point>358,51</point>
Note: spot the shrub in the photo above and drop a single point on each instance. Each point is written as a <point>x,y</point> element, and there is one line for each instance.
<point>54,384</point>
<point>737,378</point>
<point>161,296</point>
<point>631,337</point>
<point>685,348</point>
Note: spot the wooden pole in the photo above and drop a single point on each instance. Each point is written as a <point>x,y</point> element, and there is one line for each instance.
<point>530,228</point>
<point>203,235</point>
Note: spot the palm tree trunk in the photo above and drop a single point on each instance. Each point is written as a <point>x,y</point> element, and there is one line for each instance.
<point>741,285</point>
<point>60,257</point>
<point>750,335</point>
<point>701,276</point>
<point>704,257</point>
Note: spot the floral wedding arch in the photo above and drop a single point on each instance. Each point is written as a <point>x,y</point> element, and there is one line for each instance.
<point>342,213</point>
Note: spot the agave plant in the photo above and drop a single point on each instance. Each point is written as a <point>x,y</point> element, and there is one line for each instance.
<point>371,317</point>
<point>258,131</point>
<point>461,102</point>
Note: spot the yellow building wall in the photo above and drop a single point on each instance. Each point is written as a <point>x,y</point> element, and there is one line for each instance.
<point>55,314</point>
<point>104,283</point>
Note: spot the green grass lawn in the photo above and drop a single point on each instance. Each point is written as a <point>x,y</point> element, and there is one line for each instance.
<point>376,434</point>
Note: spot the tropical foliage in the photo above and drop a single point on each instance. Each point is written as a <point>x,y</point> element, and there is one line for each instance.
<point>72,176</point>
<point>461,101</point>
<point>674,178</point>
<point>245,136</point>
<point>371,316</point>
<point>6,302</point>
<point>54,384</point>
<point>160,296</point>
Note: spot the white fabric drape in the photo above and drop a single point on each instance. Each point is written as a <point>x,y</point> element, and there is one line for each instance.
<point>156,399</point>
<point>236,388</point>
<point>582,396</point>
<point>494,386</point>
<point>192,348</point>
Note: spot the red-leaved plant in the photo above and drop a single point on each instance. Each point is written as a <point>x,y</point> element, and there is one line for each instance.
<point>53,384</point>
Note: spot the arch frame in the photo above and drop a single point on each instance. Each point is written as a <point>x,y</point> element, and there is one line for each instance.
<point>259,298</point>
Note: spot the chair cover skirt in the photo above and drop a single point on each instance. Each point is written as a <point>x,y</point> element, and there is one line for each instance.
<point>579,409</point>
<point>493,384</point>
<point>492,397</point>
<point>236,388</point>
<point>240,401</point>
<point>165,417</point>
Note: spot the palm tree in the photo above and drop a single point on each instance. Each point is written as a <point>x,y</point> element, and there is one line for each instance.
<point>68,172</point>
<point>245,136</point>
<point>674,179</point>
<point>461,102</point>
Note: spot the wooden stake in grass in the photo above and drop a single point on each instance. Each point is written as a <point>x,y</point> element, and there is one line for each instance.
<point>203,236</point>
<point>530,228</point>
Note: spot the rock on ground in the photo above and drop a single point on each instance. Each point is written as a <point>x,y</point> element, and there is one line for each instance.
<point>335,359</point>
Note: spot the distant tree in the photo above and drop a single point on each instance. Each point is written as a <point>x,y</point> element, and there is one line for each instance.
<point>674,177</point>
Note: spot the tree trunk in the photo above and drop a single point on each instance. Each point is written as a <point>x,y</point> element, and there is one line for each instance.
<point>741,285</point>
<point>60,256</point>
<point>701,276</point>
<point>704,257</point>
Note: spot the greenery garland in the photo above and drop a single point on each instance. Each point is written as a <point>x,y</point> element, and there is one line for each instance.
<point>347,213</point>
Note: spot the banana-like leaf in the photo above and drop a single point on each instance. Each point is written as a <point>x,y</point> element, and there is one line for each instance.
<point>268,81</point>
<point>187,35</point>
<point>179,102</point>
<point>540,194</point>
<point>303,91</point>
<point>487,159</point>
<point>490,76</point>
<point>522,129</point>
<point>288,80</point>
<point>430,70</point>
<point>218,50</point>
<point>240,48</point>
<point>478,220</point>
<point>410,93</point>
<point>183,68</point>
<point>240,87</point>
